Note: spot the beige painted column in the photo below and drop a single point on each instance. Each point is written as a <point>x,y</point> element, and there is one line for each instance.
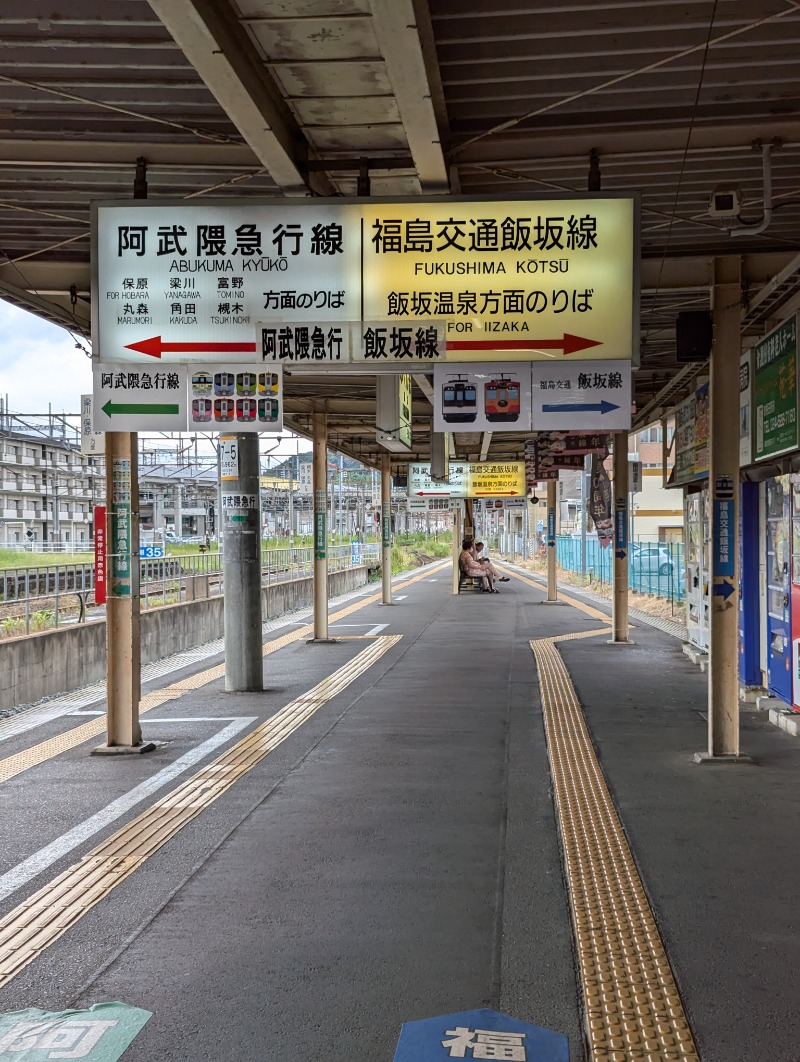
<point>123,641</point>
<point>386,528</point>
<point>619,603</point>
<point>723,489</point>
<point>552,501</point>
<point>458,529</point>
<point>319,488</point>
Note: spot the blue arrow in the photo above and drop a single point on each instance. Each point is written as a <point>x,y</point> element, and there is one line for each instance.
<point>724,589</point>
<point>580,407</point>
<point>620,554</point>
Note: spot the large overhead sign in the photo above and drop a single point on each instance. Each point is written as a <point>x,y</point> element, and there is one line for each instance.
<point>325,281</point>
<point>469,479</point>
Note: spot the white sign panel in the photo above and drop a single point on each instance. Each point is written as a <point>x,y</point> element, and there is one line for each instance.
<point>519,280</point>
<point>484,397</point>
<point>228,457</point>
<point>635,476</point>
<point>92,442</point>
<point>244,397</point>
<point>139,398</point>
<point>746,409</point>
<point>581,396</point>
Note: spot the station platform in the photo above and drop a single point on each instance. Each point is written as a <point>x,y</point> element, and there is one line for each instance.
<point>463,802</point>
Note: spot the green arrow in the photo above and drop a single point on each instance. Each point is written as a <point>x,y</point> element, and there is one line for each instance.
<point>110,408</point>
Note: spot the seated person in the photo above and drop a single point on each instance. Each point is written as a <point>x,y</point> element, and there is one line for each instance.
<point>487,564</point>
<point>468,565</point>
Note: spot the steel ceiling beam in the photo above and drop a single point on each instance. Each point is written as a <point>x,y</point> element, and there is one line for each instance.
<point>225,58</point>
<point>121,154</point>
<point>395,25</point>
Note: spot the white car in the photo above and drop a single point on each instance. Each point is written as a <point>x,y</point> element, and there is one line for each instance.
<point>651,559</point>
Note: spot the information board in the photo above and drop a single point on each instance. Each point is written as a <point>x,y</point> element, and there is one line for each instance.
<point>515,279</point>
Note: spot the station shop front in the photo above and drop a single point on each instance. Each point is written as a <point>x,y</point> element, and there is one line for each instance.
<point>769,512</point>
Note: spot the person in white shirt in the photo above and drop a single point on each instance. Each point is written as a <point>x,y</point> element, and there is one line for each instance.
<point>482,559</point>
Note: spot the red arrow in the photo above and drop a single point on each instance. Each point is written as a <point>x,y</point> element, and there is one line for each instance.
<point>567,345</point>
<point>155,348</point>
<point>432,493</point>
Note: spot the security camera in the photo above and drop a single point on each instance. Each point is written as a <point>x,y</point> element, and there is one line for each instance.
<point>726,201</point>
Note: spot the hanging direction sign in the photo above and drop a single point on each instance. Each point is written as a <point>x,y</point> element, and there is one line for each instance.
<point>175,397</point>
<point>515,280</point>
<point>147,398</point>
<point>469,479</point>
<point>583,396</point>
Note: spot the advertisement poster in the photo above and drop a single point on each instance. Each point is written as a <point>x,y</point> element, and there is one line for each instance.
<point>775,392</point>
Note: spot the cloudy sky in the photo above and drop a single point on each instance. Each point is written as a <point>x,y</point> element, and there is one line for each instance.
<point>39,364</point>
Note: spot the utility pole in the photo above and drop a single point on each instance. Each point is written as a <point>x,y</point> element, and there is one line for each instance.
<point>123,636</point>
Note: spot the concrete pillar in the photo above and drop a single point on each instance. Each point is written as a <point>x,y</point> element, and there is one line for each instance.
<point>552,502</point>
<point>386,528</point>
<point>619,603</point>
<point>723,484</point>
<point>123,643</point>
<point>320,490</point>
<point>241,529</point>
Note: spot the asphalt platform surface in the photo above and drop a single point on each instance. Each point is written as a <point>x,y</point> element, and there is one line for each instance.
<point>397,857</point>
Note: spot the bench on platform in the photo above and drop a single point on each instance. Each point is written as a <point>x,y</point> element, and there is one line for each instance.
<point>467,581</point>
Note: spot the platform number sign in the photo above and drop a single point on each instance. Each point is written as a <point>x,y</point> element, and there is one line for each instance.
<point>479,1034</point>
<point>229,457</point>
<point>99,1034</point>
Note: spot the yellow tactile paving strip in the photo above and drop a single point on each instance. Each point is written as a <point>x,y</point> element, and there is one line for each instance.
<point>45,750</point>
<point>35,924</point>
<point>633,1010</point>
<point>587,610</point>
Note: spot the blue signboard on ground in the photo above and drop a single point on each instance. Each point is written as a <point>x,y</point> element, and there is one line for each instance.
<point>148,552</point>
<point>355,553</point>
<point>479,1034</point>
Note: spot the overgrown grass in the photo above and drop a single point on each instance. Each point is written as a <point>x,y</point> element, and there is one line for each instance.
<point>20,558</point>
<point>408,550</point>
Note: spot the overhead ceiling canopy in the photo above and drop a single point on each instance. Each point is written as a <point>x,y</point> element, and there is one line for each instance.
<point>406,97</point>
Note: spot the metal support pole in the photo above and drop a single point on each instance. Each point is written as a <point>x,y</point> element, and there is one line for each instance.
<point>723,482</point>
<point>241,524</point>
<point>619,603</point>
<point>320,489</point>
<point>123,664</point>
<point>585,474</point>
<point>386,527</point>
<point>552,498</point>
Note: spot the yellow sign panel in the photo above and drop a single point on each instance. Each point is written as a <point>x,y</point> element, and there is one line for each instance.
<point>486,480</point>
<point>527,280</point>
<point>469,479</point>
